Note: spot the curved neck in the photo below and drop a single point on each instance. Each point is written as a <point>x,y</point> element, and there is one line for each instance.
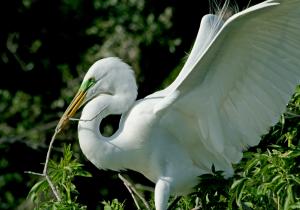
<point>104,152</point>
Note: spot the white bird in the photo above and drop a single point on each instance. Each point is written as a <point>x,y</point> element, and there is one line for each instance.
<point>234,85</point>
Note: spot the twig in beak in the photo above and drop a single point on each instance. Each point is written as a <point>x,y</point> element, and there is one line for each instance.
<point>70,112</point>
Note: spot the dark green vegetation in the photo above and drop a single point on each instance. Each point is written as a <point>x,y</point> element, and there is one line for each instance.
<point>46,48</point>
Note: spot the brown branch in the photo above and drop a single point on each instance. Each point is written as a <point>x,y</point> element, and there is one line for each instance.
<point>45,171</point>
<point>132,190</point>
<point>126,183</point>
<point>144,188</point>
<point>34,173</point>
<point>174,202</point>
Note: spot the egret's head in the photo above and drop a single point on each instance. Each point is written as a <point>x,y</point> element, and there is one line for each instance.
<point>109,76</point>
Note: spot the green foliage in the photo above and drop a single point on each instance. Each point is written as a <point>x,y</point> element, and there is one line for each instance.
<point>19,112</point>
<point>124,35</point>
<point>62,175</point>
<point>60,205</point>
<point>186,203</point>
<point>213,190</point>
<point>270,180</point>
<point>113,205</point>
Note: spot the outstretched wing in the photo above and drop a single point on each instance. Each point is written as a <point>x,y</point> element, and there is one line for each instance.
<point>209,27</point>
<point>237,87</point>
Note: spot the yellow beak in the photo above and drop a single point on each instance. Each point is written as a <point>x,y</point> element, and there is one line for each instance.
<point>71,110</point>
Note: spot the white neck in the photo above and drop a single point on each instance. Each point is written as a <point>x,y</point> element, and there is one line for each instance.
<point>104,152</point>
<point>116,79</point>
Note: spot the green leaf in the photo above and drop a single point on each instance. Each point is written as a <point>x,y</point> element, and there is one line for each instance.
<point>289,199</point>
<point>295,205</point>
<point>62,175</point>
<point>39,187</point>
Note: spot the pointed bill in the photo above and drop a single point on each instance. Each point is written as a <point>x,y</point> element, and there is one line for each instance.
<point>71,110</point>
<point>76,103</point>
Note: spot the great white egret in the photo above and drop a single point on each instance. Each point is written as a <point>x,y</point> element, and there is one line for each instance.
<point>234,85</point>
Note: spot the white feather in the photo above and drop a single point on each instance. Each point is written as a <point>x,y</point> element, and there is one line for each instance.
<point>244,78</point>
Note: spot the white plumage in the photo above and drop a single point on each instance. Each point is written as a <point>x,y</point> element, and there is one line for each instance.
<point>235,84</point>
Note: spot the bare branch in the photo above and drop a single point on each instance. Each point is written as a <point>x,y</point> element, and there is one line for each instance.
<point>34,173</point>
<point>197,205</point>
<point>127,185</point>
<point>45,171</point>
<point>55,192</point>
<point>144,188</point>
<point>174,202</point>
<point>132,189</point>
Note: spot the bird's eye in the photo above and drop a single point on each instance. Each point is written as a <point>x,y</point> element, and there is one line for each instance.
<point>92,81</point>
<point>88,83</point>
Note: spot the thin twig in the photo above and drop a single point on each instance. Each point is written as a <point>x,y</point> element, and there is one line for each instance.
<point>144,188</point>
<point>34,173</point>
<point>131,188</point>
<point>55,192</point>
<point>291,115</point>
<point>126,183</point>
<point>197,205</point>
<point>49,152</point>
<point>174,202</point>
<point>62,122</point>
<point>45,171</point>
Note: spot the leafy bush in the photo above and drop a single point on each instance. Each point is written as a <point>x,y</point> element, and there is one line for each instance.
<point>62,175</point>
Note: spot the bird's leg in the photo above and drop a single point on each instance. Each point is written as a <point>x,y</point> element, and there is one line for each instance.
<point>162,193</point>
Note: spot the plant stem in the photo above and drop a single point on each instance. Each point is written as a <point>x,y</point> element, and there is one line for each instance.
<point>45,171</point>
<point>174,202</point>
<point>132,189</point>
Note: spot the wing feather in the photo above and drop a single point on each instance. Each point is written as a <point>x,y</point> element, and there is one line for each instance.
<point>236,87</point>
<point>209,27</point>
